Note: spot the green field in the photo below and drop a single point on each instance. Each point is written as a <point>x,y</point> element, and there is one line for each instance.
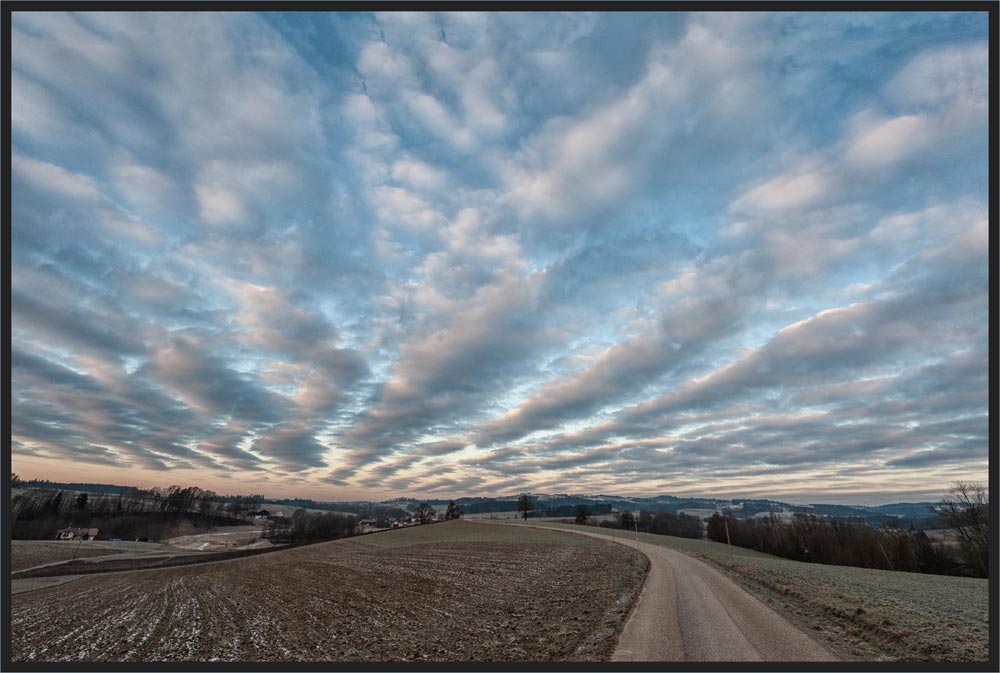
<point>861,614</point>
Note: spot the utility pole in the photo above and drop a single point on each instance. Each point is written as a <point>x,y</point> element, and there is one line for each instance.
<point>77,549</point>
<point>726,522</point>
<point>638,559</point>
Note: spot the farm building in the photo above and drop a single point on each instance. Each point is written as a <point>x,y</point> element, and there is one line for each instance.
<point>76,533</point>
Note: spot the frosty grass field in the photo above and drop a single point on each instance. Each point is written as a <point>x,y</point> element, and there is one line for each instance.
<point>863,614</point>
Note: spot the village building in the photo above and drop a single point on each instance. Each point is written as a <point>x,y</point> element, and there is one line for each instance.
<point>76,534</point>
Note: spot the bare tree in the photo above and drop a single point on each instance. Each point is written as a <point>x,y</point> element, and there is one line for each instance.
<point>453,512</point>
<point>524,505</point>
<point>966,508</point>
<point>238,507</point>
<point>582,514</point>
<point>626,519</point>
<point>207,502</point>
<point>81,502</point>
<point>425,512</point>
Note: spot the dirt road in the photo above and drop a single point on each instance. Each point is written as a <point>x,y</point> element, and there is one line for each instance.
<point>689,611</point>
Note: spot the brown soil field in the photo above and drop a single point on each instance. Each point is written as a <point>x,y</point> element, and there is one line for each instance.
<point>455,591</point>
<point>143,561</point>
<point>28,554</point>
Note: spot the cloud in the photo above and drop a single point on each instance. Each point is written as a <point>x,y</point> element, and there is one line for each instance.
<point>206,384</point>
<point>878,146</point>
<point>888,141</point>
<point>418,174</point>
<point>87,330</point>
<point>104,412</point>
<point>803,187</point>
<point>582,161</point>
<point>367,255</point>
<point>623,369</point>
<point>146,188</point>
<point>447,374</point>
<point>55,180</point>
<point>293,445</point>
<point>940,76</point>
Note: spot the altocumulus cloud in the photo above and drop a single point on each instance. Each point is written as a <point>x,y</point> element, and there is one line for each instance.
<point>357,255</point>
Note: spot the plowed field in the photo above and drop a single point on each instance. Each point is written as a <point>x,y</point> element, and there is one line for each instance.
<point>28,554</point>
<point>454,591</point>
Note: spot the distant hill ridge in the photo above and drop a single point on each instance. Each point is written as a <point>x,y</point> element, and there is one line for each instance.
<point>544,501</point>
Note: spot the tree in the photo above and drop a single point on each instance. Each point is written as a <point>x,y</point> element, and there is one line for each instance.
<point>582,514</point>
<point>239,506</point>
<point>425,512</point>
<point>524,505</point>
<point>382,517</point>
<point>453,512</point>
<point>300,525</point>
<point>55,503</point>
<point>717,528</point>
<point>15,481</point>
<point>966,508</point>
<point>207,502</point>
<point>626,520</point>
<point>329,525</point>
<point>278,529</point>
<point>81,502</point>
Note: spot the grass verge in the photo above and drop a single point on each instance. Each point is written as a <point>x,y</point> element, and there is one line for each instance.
<point>860,614</point>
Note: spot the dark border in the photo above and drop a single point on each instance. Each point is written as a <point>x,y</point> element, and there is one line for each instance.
<point>581,666</point>
<point>994,339</point>
<point>992,8</point>
<point>505,5</point>
<point>5,460</point>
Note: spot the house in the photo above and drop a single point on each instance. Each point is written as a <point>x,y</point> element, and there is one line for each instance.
<point>262,514</point>
<point>76,534</point>
<point>366,525</point>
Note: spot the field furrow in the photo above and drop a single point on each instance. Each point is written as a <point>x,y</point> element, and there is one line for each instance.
<point>451,592</point>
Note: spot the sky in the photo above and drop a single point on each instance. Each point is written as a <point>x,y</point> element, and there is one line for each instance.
<point>358,256</point>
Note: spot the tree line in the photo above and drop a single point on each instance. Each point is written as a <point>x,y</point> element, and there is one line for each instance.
<point>853,543</point>
<point>133,512</point>
<point>304,526</point>
<point>657,523</point>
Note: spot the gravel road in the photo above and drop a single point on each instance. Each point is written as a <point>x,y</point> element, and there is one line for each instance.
<point>688,611</point>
